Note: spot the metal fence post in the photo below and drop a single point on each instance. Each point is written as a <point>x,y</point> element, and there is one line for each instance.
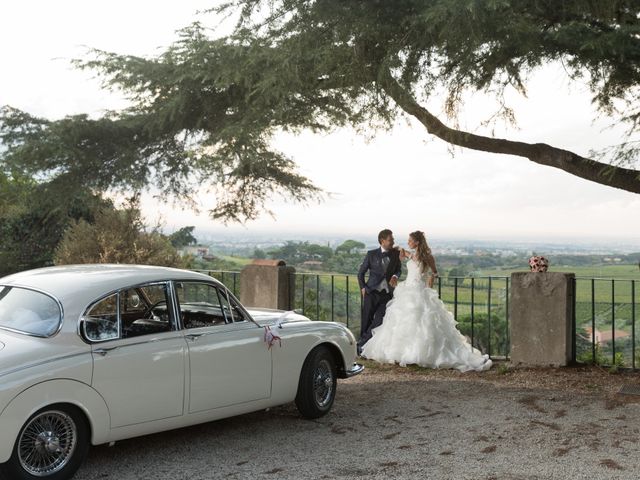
<point>489,318</point>
<point>347,301</point>
<point>613,321</point>
<point>332,294</point>
<point>473,310</point>
<point>574,289</point>
<point>633,324</point>
<point>506,320</point>
<point>303,294</point>
<point>318,297</point>
<point>455,298</point>
<point>593,320</point>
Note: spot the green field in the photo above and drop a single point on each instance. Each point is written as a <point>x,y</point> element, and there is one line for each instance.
<point>239,261</point>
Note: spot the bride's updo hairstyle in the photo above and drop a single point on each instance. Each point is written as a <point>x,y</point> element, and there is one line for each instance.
<point>423,252</point>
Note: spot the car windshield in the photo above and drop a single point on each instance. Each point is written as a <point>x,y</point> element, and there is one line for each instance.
<point>28,311</point>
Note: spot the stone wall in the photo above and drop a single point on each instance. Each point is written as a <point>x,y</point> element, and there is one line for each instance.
<point>541,318</point>
<point>266,284</point>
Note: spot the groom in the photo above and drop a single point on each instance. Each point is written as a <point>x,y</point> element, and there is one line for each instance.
<point>384,268</point>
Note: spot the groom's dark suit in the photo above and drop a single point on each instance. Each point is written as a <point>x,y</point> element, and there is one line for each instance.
<point>378,290</point>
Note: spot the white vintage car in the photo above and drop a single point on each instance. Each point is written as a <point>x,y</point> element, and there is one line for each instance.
<point>91,354</point>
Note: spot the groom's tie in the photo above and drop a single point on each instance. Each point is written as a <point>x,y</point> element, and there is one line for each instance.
<point>384,287</point>
<point>385,259</point>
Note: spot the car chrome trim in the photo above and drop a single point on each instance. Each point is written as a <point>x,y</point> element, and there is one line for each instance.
<point>103,351</point>
<point>33,289</point>
<point>355,369</point>
<point>47,443</point>
<point>173,295</point>
<point>133,344</point>
<point>323,383</point>
<point>221,329</point>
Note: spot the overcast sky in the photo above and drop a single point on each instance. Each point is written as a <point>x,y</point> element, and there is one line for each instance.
<point>403,179</point>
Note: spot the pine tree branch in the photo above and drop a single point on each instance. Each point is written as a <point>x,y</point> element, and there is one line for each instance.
<point>541,153</point>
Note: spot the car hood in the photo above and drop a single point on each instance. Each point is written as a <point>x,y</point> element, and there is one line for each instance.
<point>1,345</point>
<point>266,316</point>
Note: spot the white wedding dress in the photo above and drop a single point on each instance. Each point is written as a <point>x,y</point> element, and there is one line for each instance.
<point>418,329</point>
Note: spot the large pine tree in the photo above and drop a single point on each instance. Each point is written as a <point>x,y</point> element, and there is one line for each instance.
<point>204,111</point>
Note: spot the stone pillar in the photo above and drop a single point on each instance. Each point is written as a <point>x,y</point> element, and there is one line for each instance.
<point>267,284</point>
<point>541,317</point>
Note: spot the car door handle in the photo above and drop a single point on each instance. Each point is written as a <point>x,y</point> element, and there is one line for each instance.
<point>193,336</point>
<point>104,351</point>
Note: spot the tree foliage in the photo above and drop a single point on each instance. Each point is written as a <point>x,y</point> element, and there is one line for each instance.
<point>204,111</point>
<point>183,237</point>
<point>296,253</point>
<point>33,218</point>
<point>350,246</point>
<point>116,236</point>
<point>488,336</point>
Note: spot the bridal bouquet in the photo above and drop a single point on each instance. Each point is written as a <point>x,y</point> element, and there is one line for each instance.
<point>538,264</point>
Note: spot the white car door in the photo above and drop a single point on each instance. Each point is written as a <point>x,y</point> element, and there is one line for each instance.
<point>140,370</point>
<point>229,362</point>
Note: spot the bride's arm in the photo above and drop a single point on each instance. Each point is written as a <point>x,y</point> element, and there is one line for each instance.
<point>405,254</point>
<point>434,271</point>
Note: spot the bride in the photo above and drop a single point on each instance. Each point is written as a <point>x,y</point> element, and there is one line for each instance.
<point>417,328</point>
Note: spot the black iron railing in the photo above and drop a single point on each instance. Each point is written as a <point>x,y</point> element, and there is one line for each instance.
<point>229,278</point>
<point>605,322</point>
<point>480,305</point>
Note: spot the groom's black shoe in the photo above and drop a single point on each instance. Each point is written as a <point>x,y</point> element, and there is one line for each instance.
<point>358,350</point>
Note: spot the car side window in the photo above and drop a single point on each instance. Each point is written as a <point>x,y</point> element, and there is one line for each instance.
<point>27,311</point>
<point>231,309</point>
<point>132,312</point>
<point>145,309</point>
<point>202,305</point>
<point>101,320</point>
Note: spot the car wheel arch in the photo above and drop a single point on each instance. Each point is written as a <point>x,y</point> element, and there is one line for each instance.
<point>333,348</point>
<point>336,353</point>
<point>49,393</point>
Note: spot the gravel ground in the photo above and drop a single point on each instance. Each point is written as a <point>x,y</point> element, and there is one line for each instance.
<point>406,423</point>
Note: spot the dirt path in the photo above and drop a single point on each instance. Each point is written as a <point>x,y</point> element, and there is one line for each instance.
<point>410,423</point>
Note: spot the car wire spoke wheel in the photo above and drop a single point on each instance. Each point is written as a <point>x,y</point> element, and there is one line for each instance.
<point>317,385</point>
<point>323,383</point>
<point>47,443</point>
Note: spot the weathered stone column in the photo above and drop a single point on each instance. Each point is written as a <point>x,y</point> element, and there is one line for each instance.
<point>267,284</point>
<point>541,317</point>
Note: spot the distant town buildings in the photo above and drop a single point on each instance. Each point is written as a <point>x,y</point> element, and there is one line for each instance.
<point>604,336</point>
<point>198,251</point>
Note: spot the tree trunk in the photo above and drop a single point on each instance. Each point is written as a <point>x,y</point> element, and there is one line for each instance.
<point>605,174</point>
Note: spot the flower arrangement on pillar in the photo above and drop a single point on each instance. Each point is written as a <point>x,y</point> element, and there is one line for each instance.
<point>538,263</point>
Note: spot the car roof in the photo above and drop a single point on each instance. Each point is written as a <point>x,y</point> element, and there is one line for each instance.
<point>93,280</point>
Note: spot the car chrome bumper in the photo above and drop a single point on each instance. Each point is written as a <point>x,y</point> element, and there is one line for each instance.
<point>355,369</point>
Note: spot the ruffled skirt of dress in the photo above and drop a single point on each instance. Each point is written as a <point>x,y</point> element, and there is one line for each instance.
<point>418,329</point>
